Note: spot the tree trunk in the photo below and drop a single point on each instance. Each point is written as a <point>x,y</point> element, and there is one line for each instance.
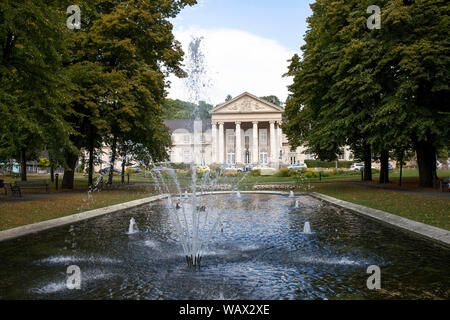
<point>113,159</point>
<point>123,169</point>
<point>367,162</point>
<point>91,158</point>
<point>401,168</point>
<point>384,169</point>
<point>426,159</point>
<point>69,171</point>
<point>23,165</point>
<point>52,172</point>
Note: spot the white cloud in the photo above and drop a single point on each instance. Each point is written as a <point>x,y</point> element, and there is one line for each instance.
<point>237,61</point>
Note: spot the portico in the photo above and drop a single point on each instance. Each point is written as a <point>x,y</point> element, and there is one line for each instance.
<point>246,130</point>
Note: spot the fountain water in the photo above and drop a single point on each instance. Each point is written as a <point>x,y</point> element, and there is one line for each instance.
<point>238,194</point>
<point>133,228</point>
<point>296,203</point>
<point>307,228</point>
<point>291,194</point>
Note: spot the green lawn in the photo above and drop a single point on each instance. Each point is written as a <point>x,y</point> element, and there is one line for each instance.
<point>426,209</point>
<point>18,213</point>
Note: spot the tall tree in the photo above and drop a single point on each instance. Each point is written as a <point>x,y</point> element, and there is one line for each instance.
<point>32,42</point>
<point>132,45</point>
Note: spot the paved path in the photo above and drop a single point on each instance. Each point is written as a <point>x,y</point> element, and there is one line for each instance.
<point>38,196</point>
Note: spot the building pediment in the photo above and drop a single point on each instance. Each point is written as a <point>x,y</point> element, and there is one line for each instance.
<point>246,103</point>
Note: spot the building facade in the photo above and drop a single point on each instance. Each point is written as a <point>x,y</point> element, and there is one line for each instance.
<point>245,130</point>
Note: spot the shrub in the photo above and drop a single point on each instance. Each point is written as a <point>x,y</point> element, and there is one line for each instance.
<point>256,172</point>
<point>328,164</point>
<point>44,163</point>
<point>285,173</point>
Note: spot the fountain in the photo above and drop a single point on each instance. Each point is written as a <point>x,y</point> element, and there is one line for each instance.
<point>133,228</point>
<point>307,228</point>
<point>238,194</point>
<point>291,194</point>
<point>296,204</point>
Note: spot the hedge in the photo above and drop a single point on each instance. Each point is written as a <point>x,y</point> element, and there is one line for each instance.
<point>328,164</point>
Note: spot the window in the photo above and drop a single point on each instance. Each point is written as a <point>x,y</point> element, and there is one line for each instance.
<point>186,138</point>
<point>202,138</point>
<point>247,142</point>
<point>247,157</point>
<point>187,156</point>
<point>230,156</point>
<point>230,139</point>
<point>309,156</point>
<point>263,137</point>
<point>293,150</point>
<point>263,156</point>
<point>172,156</point>
<point>293,160</point>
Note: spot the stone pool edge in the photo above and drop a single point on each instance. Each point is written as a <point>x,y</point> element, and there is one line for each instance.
<point>21,231</point>
<point>53,223</point>
<point>435,234</point>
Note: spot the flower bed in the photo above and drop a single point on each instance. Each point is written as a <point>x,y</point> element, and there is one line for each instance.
<point>276,187</point>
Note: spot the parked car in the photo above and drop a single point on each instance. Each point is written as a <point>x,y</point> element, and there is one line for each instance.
<point>298,166</point>
<point>134,169</point>
<point>106,170</point>
<point>357,166</point>
<point>163,169</point>
<point>248,167</point>
<point>263,167</point>
<point>228,170</point>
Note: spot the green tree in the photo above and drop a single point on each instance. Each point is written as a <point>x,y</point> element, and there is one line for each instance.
<point>132,46</point>
<point>272,99</point>
<point>32,41</point>
<point>368,88</point>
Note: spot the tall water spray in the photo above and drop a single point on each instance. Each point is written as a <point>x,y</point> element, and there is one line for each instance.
<point>191,216</point>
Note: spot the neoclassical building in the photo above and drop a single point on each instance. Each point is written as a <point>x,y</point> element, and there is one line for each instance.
<point>244,130</point>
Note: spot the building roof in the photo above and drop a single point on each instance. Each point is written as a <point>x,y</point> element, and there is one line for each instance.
<point>187,124</point>
<point>274,106</point>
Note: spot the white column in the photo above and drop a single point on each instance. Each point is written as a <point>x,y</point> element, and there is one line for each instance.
<point>280,140</point>
<point>221,143</point>
<point>272,142</point>
<point>238,143</point>
<point>255,152</point>
<point>214,158</point>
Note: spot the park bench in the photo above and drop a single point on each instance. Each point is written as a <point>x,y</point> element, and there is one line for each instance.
<point>35,184</point>
<point>444,184</point>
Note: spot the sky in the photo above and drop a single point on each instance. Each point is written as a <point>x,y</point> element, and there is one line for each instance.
<point>246,44</point>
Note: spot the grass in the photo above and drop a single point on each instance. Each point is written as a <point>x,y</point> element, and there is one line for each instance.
<point>426,209</point>
<point>19,213</point>
<point>422,208</point>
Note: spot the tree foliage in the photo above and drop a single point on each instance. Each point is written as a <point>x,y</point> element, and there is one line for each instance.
<point>378,89</point>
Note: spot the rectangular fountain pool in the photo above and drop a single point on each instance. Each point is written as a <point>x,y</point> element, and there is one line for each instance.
<point>258,250</point>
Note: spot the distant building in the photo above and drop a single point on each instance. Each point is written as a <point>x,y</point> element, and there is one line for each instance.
<point>244,130</point>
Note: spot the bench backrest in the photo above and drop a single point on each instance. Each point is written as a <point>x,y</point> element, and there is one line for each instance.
<point>31,183</point>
